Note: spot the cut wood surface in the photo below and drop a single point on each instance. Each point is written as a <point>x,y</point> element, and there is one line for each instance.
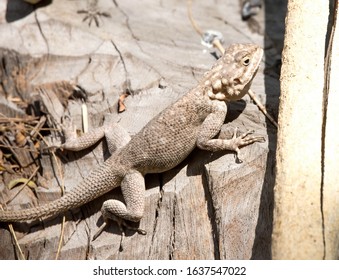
<point>54,59</point>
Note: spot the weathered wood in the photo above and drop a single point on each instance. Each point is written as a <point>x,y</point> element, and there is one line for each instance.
<point>331,156</point>
<point>206,208</point>
<point>298,221</point>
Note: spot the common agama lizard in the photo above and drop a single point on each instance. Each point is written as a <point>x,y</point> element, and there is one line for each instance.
<point>192,121</point>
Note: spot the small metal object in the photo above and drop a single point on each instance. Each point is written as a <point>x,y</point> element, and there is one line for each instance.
<point>250,8</point>
<point>209,36</point>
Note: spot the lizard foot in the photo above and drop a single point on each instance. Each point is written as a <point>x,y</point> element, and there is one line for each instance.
<point>122,226</point>
<point>69,132</point>
<point>243,140</point>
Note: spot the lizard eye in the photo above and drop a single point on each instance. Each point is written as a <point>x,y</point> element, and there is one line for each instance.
<point>246,61</point>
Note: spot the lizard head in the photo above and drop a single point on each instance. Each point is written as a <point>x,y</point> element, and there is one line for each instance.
<point>230,78</point>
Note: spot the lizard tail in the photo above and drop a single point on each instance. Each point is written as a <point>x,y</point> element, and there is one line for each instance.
<point>99,182</point>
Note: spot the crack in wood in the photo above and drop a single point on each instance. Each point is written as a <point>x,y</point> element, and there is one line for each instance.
<point>127,78</point>
<point>173,232</point>
<point>127,23</point>
<point>41,32</point>
<point>157,210</point>
<point>211,212</point>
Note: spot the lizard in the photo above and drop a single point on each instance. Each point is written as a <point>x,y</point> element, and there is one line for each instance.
<point>165,141</point>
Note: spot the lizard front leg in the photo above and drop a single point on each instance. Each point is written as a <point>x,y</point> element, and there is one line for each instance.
<point>211,127</point>
<point>234,143</point>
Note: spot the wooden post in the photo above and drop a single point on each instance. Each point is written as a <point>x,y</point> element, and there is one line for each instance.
<point>331,156</point>
<point>298,218</point>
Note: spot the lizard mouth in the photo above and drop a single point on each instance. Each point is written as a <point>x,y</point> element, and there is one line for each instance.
<point>239,87</point>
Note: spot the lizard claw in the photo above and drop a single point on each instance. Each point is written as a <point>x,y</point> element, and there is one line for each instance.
<point>104,226</point>
<point>68,127</point>
<point>68,130</point>
<point>122,225</point>
<point>100,230</point>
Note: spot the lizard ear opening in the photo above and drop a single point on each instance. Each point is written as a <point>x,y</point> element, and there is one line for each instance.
<point>237,81</point>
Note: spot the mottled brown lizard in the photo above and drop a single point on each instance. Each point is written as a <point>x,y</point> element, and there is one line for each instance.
<point>192,121</point>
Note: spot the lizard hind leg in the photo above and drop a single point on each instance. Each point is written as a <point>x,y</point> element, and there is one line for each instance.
<point>133,190</point>
<point>116,136</point>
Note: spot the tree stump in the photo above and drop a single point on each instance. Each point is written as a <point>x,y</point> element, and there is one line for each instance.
<point>56,57</point>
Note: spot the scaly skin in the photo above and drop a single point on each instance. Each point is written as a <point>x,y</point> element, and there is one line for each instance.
<point>164,142</point>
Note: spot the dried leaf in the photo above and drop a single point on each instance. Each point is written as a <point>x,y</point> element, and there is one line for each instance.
<point>15,182</point>
<point>20,139</point>
<point>121,105</point>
